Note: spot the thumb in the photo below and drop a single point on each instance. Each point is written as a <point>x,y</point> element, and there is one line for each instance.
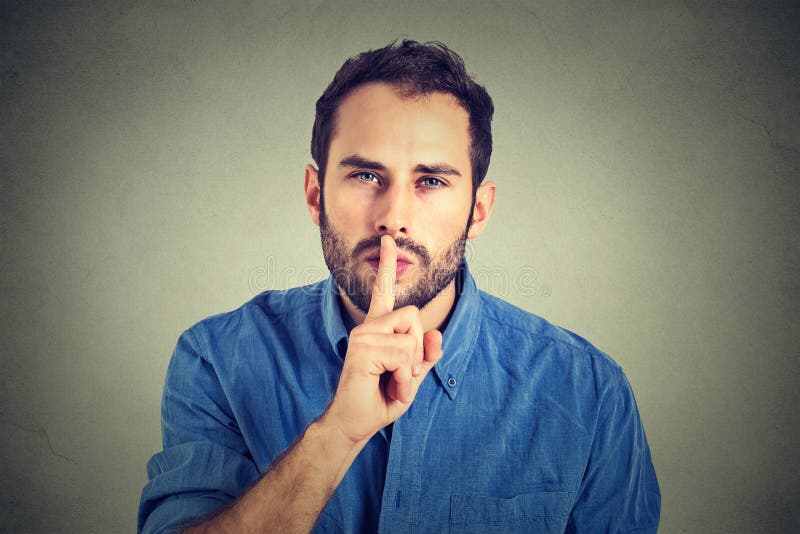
<point>432,343</point>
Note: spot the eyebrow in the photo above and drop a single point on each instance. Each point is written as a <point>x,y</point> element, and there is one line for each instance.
<point>437,168</point>
<point>355,160</point>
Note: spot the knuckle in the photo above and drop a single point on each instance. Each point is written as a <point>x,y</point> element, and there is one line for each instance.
<point>399,353</point>
<point>410,344</point>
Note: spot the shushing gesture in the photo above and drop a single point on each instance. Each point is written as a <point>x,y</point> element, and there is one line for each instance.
<point>386,361</point>
<point>387,358</point>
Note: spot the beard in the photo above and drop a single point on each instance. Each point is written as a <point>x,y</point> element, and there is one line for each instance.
<point>430,277</point>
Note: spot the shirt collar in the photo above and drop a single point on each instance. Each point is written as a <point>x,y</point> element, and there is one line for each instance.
<point>332,316</point>
<point>458,338</point>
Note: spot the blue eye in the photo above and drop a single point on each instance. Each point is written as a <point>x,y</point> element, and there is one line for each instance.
<point>431,182</point>
<point>367,177</point>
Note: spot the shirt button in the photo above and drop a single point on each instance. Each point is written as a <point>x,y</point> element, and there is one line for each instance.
<point>451,382</point>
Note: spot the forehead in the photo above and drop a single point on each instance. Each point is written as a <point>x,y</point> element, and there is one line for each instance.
<point>378,122</point>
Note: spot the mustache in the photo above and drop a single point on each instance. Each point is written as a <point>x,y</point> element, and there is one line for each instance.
<point>403,243</point>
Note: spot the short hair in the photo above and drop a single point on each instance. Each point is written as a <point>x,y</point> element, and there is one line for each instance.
<point>415,69</point>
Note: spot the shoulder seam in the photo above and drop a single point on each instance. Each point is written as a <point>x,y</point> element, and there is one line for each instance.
<point>589,349</point>
<point>196,342</point>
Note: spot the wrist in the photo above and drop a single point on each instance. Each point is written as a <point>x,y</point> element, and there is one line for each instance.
<point>330,430</point>
<point>335,444</point>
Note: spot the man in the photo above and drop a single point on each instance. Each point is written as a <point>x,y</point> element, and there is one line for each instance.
<point>395,396</point>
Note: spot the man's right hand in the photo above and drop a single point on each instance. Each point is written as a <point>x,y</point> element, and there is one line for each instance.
<point>387,358</point>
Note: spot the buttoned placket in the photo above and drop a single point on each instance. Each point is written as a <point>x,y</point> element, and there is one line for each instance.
<point>411,433</point>
<point>406,466</point>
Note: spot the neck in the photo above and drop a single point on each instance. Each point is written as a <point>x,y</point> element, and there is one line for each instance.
<point>433,316</point>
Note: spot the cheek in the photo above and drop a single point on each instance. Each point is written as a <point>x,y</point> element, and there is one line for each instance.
<point>345,211</point>
<point>442,232</point>
<point>447,218</point>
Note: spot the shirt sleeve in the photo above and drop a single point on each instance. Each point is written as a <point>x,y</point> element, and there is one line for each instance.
<point>619,491</point>
<point>205,463</point>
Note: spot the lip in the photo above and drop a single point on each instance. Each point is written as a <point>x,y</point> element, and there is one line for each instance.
<point>403,262</point>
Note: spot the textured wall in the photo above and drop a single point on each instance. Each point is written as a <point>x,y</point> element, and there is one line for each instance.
<point>647,156</point>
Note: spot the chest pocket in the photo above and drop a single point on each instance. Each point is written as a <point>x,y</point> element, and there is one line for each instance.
<point>530,512</point>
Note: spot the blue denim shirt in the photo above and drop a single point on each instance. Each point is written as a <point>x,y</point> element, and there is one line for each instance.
<point>521,427</point>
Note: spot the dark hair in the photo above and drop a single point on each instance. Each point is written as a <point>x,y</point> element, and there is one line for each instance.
<point>414,69</point>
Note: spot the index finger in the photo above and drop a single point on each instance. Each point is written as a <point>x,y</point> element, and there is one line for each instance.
<point>383,291</point>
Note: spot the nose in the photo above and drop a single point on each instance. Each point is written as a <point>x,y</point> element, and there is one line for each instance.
<point>394,211</point>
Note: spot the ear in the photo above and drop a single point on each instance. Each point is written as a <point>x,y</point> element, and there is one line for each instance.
<point>484,201</point>
<point>312,192</point>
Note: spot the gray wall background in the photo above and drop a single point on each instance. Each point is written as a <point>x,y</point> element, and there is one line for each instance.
<point>646,159</point>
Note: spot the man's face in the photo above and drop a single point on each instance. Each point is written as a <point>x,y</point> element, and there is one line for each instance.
<point>401,167</point>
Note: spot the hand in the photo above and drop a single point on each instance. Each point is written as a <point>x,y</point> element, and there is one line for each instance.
<point>387,359</point>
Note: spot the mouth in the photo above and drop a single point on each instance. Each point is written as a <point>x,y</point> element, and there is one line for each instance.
<point>403,262</point>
